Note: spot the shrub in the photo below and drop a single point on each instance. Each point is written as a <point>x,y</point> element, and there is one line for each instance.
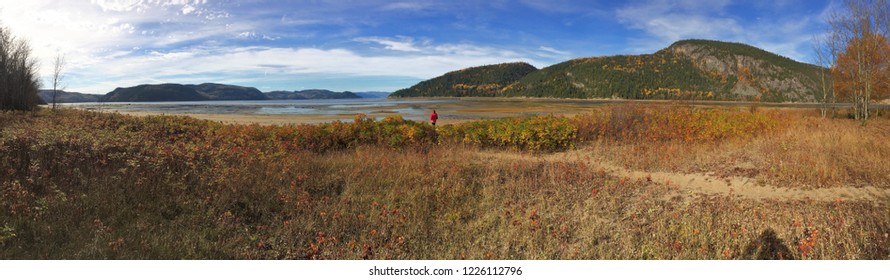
<point>539,133</point>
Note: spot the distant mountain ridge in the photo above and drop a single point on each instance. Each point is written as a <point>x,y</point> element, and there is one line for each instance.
<point>151,93</point>
<point>687,69</point>
<point>212,91</point>
<point>373,94</point>
<point>67,96</point>
<point>310,94</point>
<point>229,92</point>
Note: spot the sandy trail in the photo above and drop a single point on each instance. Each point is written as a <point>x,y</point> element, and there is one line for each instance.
<point>707,184</point>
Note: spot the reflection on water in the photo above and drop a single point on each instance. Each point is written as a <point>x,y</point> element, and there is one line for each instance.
<point>286,110</point>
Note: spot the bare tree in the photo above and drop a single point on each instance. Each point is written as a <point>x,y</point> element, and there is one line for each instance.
<point>883,18</point>
<point>823,50</point>
<point>58,76</point>
<point>18,74</point>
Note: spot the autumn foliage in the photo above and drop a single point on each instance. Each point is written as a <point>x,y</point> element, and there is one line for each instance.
<point>86,185</point>
<point>862,71</point>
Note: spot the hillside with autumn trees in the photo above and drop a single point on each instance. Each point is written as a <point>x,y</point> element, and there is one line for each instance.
<point>488,80</point>
<point>686,70</point>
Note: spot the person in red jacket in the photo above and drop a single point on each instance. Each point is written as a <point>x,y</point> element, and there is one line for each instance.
<point>434,117</point>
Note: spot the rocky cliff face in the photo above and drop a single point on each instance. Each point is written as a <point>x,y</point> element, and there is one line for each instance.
<point>758,72</point>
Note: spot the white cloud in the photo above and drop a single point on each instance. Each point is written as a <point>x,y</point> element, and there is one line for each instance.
<point>159,56</point>
<point>665,22</point>
<point>187,9</point>
<point>468,50</point>
<point>408,6</point>
<point>141,6</point>
<point>426,47</point>
<point>672,21</point>
<point>125,43</point>
<point>554,51</point>
<point>402,44</point>
<point>119,5</point>
<point>223,64</point>
<point>95,32</point>
<point>556,6</point>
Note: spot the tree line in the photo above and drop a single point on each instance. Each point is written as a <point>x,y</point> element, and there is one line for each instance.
<point>663,75</point>
<point>19,81</point>
<point>488,80</point>
<point>857,53</point>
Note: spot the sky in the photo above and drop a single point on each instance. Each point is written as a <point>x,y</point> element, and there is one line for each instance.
<point>373,45</point>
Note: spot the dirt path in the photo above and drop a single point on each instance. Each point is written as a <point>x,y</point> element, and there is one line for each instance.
<point>693,184</point>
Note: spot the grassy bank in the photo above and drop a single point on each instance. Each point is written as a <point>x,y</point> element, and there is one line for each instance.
<point>87,185</point>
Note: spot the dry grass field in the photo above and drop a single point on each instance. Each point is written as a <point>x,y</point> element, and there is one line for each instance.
<point>620,182</point>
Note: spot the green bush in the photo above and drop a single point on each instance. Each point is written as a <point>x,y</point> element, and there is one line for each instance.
<point>539,133</point>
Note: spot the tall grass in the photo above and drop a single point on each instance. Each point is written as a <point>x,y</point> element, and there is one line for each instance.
<point>86,185</point>
<point>648,124</point>
<point>779,147</point>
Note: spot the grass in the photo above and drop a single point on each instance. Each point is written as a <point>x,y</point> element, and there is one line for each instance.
<point>787,148</point>
<point>85,185</point>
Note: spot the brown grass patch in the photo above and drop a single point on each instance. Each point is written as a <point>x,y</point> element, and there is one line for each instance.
<point>81,185</point>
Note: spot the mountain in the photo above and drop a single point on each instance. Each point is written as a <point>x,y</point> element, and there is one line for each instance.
<point>67,97</point>
<point>373,94</point>
<point>211,91</point>
<point>178,92</point>
<point>688,69</point>
<point>229,92</point>
<point>311,94</point>
<point>489,80</point>
<point>150,93</point>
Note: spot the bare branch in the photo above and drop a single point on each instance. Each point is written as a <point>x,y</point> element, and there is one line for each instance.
<point>58,76</point>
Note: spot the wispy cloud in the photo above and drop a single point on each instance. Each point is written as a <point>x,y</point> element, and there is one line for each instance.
<point>566,6</point>
<point>664,22</point>
<point>403,44</point>
<point>225,64</point>
<point>89,31</point>
<point>549,52</point>
<point>405,6</point>
<point>669,21</point>
<point>125,43</point>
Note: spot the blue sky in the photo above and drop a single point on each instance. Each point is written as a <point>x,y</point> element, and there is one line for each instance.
<point>374,45</point>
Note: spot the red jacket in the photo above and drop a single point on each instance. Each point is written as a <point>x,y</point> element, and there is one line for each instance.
<point>434,117</point>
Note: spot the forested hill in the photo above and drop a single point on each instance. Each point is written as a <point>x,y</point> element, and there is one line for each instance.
<point>488,80</point>
<point>687,70</point>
